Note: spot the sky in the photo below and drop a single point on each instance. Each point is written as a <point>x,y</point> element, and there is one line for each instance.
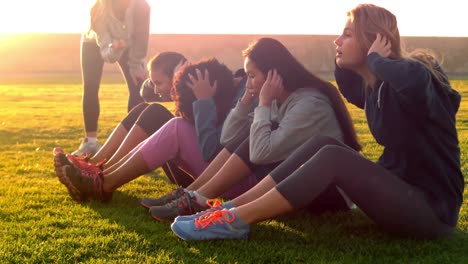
<point>324,17</point>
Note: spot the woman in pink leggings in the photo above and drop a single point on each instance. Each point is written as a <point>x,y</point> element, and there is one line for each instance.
<point>176,140</point>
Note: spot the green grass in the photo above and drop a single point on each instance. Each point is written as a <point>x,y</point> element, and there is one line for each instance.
<point>39,223</point>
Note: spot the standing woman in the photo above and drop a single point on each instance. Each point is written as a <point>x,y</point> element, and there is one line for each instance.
<point>415,189</point>
<point>119,32</point>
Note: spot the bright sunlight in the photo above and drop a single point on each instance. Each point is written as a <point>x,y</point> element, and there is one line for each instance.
<point>324,17</point>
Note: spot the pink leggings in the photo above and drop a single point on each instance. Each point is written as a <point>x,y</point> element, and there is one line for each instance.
<point>177,141</point>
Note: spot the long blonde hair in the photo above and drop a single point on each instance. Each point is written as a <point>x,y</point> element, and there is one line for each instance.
<point>369,19</point>
<point>98,10</point>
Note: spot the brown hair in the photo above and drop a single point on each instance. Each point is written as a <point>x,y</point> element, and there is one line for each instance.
<point>369,19</point>
<point>97,12</point>
<point>268,53</point>
<point>166,62</point>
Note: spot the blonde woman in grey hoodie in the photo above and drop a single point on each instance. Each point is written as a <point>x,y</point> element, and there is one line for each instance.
<point>119,32</point>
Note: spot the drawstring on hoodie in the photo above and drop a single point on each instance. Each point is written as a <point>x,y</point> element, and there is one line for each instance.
<point>378,94</point>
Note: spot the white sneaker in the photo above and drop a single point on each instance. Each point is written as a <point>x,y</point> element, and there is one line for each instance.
<point>87,148</point>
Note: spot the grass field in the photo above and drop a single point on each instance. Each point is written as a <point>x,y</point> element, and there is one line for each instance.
<point>39,223</point>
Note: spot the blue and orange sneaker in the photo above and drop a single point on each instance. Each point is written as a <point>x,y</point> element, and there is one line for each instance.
<point>213,204</point>
<point>220,224</point>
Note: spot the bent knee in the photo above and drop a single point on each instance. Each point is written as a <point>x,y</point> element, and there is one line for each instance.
<point>333,152</point>
<point>155,108</point>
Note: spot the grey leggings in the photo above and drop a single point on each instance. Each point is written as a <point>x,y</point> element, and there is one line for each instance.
<point>392,203</point>
<point>92,66</point>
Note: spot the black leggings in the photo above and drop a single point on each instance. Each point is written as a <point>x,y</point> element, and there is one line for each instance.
<point>92,66</point>
<point>392,203</point>
<point>151,117</point>
<point>329,201</point>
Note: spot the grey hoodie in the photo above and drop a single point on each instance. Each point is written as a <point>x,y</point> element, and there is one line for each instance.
<point>134,30</point>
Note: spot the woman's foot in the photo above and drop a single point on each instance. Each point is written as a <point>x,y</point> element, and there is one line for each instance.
<point>87,182</point>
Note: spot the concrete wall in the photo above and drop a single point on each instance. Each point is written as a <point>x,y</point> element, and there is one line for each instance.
<point>59,54</point>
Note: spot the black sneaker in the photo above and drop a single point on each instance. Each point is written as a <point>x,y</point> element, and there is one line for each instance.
<point>150,202</point>
<point>87,182</point>
<point>184,205</point>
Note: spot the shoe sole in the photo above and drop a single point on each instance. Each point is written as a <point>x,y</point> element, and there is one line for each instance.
<point>60,160</point>
<point>148,206</point>
<point>163,219</point>
<point>74,193</point>
<point>160,219</point>
<point>180,233</point>
<point>145,205</point>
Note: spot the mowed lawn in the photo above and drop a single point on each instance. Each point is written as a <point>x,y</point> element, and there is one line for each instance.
<point>39,223</point>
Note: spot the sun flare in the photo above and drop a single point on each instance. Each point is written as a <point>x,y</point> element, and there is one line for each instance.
<point>317,17</point>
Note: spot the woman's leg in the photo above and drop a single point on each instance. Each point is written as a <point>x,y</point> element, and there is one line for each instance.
<point>217,163</point>
<point>91,72</point>
<point>91,69</point>
<point>151,119</point>
<point>118,135</point>
<point>294,161</point>
<point>389,201</point>
<point>134,167</point>
<point>214,166</point>
<point>236,168</point>
<point>255,192</point>
<point>177,175</point>
<point>134,97</point>
<point>176,140</point>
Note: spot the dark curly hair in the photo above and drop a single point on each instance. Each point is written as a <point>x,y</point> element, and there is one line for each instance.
<point>223,97</point>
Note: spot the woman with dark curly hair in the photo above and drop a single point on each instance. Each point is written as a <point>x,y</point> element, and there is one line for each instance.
<point>294,105</point>
<point>175,141</point>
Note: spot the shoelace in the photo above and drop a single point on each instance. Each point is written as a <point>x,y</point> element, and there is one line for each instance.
<point>81,164</point>
<point>90,171</point>
<point>214,205</point>
<point>183,201</point>
<point>170,197</point>
<point>211,218</point>
<point>174,195</point>
<point>100,164</point>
